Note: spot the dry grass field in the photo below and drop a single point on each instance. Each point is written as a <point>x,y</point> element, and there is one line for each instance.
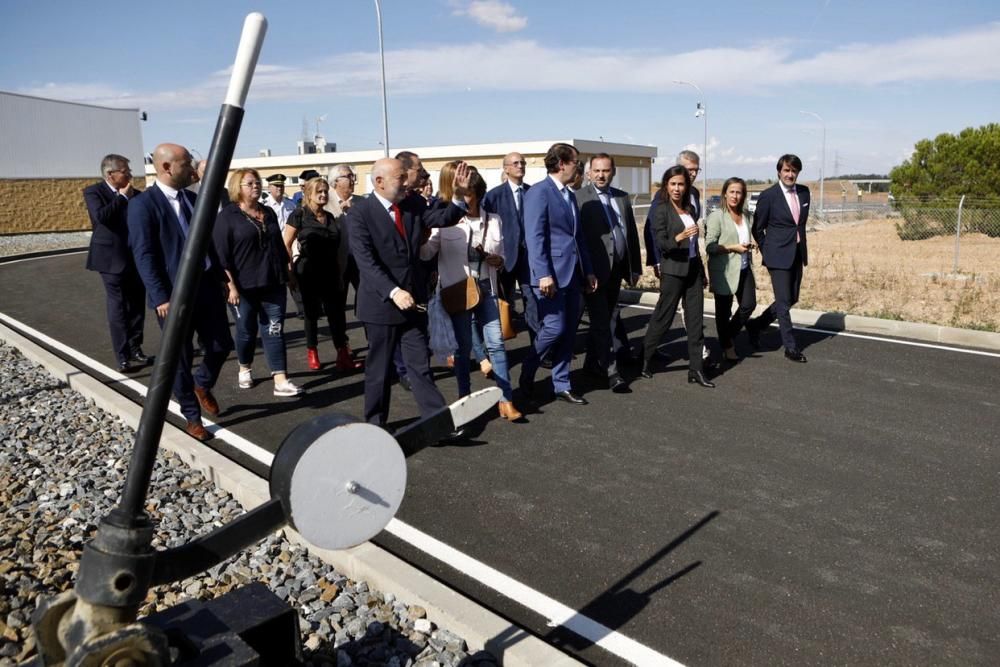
<point>865,269</point>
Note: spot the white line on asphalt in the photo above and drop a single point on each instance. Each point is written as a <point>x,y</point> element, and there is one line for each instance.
<point>556,613</point>
<point>31,259</point>
<point>847,334</point>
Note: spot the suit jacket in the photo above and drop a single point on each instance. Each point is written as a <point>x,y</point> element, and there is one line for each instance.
<point>157,243</point>
<point>652,251</point>
<point>340,220</point>
<point>554,240</point>
<point>109,251</point>
<point>597,231</point>
<point>723,267</point>
<point>386,260</point>
<point>775,230</point>
<point>500,200</point>
<point>667,224</point>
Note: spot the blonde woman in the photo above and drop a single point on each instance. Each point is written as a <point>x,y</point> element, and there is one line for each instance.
<point>248,241</point>
<point>728,242</point>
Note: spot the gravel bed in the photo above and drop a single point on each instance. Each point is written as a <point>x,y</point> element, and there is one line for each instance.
<point>19,244</point>
<point>62,464</point>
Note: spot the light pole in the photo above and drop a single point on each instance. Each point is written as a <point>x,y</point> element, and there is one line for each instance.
<point>385,105</point>
<point>701,111</point>
<point>822,161</point>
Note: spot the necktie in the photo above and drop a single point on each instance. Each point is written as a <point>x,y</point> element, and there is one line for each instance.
<point>793,204</point>
<point>517,203</point>
<point>186,213</point>
<point>615,223</point>
<point>398,217</point>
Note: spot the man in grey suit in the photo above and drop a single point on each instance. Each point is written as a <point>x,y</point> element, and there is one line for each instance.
<point>612,239</point>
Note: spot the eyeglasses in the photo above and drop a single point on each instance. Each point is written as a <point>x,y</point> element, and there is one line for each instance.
<point>250,184</point>
<point>120,171</point>
<point>694,171</point>
<point>518,163</point>
<point>350,177</point>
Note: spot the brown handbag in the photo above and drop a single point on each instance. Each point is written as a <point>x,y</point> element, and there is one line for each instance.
<point>507,331</point>
<point>461,296</point>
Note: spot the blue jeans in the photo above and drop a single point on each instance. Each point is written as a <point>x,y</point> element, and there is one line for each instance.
<point>262,308</point>
<point>488,315</point>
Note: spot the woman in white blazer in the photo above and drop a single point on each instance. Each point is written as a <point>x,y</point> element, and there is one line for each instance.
<point>729,243</point>
<point>474,247</point>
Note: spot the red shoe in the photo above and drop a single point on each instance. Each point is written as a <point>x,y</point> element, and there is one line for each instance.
<point>312,357</point>
<point>345,362</point>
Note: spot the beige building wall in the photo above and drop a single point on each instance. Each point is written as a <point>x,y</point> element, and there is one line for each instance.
<point>31,205</point>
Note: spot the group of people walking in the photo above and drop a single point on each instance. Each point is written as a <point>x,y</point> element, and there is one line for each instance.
<point>561,248</point>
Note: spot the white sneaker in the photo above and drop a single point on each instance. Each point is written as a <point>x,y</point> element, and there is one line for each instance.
<point>246,378</point>
<point>286,388</point>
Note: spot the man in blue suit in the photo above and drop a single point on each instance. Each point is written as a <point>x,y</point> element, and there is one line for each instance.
<point>779,228</point>
<point>158,223</point>
<point>107,203</point>
<point>385,231</point>
<point>507,201</point>
<point>558,261</point>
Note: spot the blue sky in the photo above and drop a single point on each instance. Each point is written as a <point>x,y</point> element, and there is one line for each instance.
<point>882,74</point>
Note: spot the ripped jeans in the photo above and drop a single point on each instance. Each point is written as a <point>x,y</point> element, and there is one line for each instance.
<point>263,309</point>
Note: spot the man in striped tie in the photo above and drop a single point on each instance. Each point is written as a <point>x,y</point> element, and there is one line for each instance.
<point>159,221</point>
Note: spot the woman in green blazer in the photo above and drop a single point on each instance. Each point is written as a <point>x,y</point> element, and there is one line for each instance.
<point>728,243</point>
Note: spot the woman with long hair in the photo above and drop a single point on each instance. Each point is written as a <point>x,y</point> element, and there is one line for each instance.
<point>682,275</point>
<point>248,241</point>
<point>728,243</point>
<point>318,271</point>
<point>474,247</point>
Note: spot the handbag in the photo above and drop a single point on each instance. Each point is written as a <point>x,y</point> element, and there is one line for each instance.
<point>507,330</point>
<point>463,295</point>
<point>440,329</point>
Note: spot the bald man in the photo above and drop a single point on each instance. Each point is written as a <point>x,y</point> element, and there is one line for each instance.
<point>385,231</point>
<point>158,223</point>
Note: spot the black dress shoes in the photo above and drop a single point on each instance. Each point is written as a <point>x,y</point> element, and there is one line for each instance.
<point>697,377</point>
<point>618,385</point>
<point>796,356</point>
<point>140,358</point>
<point>127,367</point>
<point>404,382</point>
<point>647,370</point>
<point>570,397</point>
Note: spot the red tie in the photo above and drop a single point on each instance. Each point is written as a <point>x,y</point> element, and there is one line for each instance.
<point>398,215</point>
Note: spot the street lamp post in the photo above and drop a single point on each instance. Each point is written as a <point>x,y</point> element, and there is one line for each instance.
<point>702,111</point>
<point>822,160</point>
<point>385,105</point>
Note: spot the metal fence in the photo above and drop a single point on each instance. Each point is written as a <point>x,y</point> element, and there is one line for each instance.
<point>955,216</point>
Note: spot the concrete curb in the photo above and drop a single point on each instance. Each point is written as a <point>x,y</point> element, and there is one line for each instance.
<point>835,322</point>
<point>481,628</point>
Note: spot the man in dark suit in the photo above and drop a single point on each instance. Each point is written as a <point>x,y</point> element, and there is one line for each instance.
<point>558,260</point>
<point>613,244</point>
<point>507,201</point>
<point>385,231</point>
<point>107,203</point>
<point>158,223</point>
<point>779,228</point>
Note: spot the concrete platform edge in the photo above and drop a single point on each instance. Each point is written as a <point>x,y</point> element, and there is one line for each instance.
<point>480,627</point>
<point>930,333</point>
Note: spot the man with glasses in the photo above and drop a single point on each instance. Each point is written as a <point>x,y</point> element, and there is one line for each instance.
<point>107,204</point>
<point>507,201</point>
<point>159,221</point>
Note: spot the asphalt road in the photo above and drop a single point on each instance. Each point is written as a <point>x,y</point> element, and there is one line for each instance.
<point>841,511</point>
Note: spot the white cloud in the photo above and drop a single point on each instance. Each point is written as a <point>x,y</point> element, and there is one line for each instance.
<point>761,67</point>
<point>494,14</point>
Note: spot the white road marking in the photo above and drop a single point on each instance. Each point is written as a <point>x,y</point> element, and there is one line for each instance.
<point>556,613</point>
<point>847,334</point>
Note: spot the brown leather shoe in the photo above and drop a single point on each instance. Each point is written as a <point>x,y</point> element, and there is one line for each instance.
<point>508,411</point>
<point>207,402</point>
<point>197,431</point>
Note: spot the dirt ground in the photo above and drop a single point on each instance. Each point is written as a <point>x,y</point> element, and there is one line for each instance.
<point>865,269</point>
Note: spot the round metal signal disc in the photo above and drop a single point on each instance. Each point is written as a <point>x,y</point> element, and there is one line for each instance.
<point>345,485</point>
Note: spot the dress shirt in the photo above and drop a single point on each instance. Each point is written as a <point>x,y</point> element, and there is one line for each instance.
<point>565,192</point>
<point>173,195</point>
<point>617,227</point>
<point>113,191</point>
<point>743,231</point>
<point>281,209</point>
